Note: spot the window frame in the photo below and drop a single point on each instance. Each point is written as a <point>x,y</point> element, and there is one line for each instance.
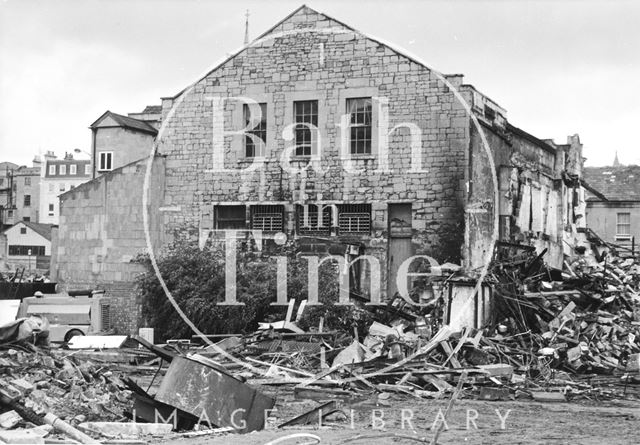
<point>52,170</point>
<point>311,118</point>
<point>354,212</point>
<point>62,169</point>
<point>272,211</point>
<point>107,155</point>
<point>87,169</point>
<point>328,227</point>
<point>73,169</point>
<point>620,235</point>
<point>23,250</point>
<point>261,128</point>
<point>26,202</point>
<point>360,125</point>
<point>233,109</point>
<point>229,221</point>
<point>376,106</point>
<point>27,180</point>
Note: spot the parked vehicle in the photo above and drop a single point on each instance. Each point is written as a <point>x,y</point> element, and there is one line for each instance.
<point>69,314</point>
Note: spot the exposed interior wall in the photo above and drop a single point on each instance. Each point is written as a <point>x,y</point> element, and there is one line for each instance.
<point>539,204</point>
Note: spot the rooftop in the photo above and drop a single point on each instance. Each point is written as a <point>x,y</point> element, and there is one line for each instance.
<point>43,230</point>
<point>126,122</point>
<point>620,183</point>
<point>152,109</point>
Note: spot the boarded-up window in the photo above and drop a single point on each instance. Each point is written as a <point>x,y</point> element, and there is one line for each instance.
<point>231,217</point>
<point>400,220</point>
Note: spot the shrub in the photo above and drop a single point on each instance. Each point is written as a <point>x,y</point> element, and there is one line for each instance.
<point>196,280</point>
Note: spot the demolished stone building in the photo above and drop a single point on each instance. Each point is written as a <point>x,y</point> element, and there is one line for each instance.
<point>353,148</point>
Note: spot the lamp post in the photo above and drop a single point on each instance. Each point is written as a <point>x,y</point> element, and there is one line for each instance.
<point>77,150</point>
<point>29,254</point>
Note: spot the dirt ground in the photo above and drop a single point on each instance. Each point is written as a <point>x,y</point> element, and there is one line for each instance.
<point>525,422</point>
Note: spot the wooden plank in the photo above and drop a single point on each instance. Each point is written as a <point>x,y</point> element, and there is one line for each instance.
<point>449,351</point>
<point>455,351</point>
<point>322,375</point>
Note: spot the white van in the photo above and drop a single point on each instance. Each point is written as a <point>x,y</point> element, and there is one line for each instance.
<point>68,315</point>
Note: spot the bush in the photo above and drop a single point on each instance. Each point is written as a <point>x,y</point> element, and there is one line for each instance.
<point>196,280</point>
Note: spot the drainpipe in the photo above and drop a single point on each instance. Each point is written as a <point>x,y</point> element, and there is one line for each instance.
<point>93,153</point>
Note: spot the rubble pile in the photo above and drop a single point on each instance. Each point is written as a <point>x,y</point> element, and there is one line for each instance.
<point>583,320</point>
<point>36,382</point>
<point>68,386</point>
<point>552,335</point>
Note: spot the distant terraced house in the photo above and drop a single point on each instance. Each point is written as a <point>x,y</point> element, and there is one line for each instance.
<point>613,204</point>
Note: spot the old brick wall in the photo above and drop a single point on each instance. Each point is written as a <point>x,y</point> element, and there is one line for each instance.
<point>327,67</point>
<point>101,231</point>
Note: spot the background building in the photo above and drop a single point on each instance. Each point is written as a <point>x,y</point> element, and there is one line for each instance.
<point>6,194</point>
<point>28,245</point>
<point>59,176</point>
<point>118,140</point>
<point>26,192</point>
<point>613,204</point>
<point>443,206</point>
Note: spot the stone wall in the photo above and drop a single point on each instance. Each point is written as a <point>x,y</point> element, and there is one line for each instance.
<point>101,232</point>
<point>328,67</point>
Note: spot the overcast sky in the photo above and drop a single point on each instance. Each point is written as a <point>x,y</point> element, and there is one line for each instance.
<point>558,67</point>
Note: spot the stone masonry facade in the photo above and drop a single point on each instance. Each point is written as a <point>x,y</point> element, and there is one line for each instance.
<point>304,61</point>
<point>425,184</point>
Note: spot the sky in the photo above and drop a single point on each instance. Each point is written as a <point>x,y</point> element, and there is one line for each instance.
<point>557,67</point>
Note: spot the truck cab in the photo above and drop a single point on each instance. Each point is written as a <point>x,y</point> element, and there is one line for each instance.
<point>69,315</point>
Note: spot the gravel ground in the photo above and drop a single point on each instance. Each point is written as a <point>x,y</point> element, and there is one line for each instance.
<point>524,422</point>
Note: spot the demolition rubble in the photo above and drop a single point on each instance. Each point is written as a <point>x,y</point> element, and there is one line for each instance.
<point>553,336</point>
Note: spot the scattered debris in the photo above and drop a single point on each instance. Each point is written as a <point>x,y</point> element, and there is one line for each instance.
<point>551,335</point>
